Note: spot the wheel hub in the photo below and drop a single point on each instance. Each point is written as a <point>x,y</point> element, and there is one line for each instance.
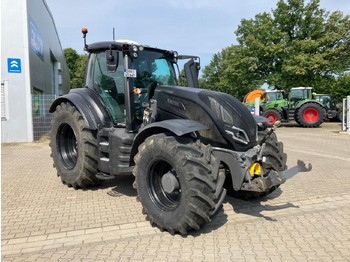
<point>170,183</point>
<point>310,115</point>
<point>271,117</point>
<point>164,186</point>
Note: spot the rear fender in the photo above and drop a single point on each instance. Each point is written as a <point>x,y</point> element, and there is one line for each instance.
<point>311,101</point>
<point>90,106</point>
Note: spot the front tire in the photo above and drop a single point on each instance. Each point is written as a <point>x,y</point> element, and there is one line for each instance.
<point>272,115</point>
<point>178,182</point>
<point>276,159</point>
<point>73,147</point>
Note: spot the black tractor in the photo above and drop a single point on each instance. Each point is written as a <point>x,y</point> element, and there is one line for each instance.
<point>183,144</point>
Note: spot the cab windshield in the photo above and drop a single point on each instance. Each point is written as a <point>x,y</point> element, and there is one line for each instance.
<point>153,68</point>
<point>273,96</point>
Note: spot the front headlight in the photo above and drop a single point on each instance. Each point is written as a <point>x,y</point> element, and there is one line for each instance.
<point>237,134</point>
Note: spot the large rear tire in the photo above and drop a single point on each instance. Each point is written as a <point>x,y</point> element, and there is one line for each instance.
<point>310,115</point>
<point>73,147</point>
<point>178,183</point>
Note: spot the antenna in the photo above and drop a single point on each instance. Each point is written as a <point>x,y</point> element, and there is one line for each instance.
<point>113,34</point>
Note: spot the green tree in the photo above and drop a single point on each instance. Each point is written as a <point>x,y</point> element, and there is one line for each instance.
<point>76,64</point>
<point>210,78</point>
<point>297,44</point>
<point>79,75</point>
<point>341,87</point>
<point>71,57</point>
<point>182,79</point>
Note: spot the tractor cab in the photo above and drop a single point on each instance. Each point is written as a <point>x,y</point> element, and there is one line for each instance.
<point>297,95</point>
<point>273,95</point>
<point>334,109</point>
<point>327,100</point>
<point>125,74</point>
<point>148,69</point>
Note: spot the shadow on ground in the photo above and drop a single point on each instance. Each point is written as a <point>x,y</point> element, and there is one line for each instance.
<point>254,207</point>
<point>217,222</point>
<point>122,185</point>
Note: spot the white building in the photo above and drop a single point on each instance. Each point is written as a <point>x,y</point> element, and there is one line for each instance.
<point>33,68</point>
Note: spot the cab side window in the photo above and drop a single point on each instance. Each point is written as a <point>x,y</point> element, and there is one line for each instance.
<point>110,86</point>
<point>90,71</point>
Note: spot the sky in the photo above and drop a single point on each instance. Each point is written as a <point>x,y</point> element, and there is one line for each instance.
<point>191,27</point>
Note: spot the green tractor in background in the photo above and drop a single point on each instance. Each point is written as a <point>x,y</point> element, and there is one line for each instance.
<point>298,104</point>
<point>270,98</point>
<point>334,109</point>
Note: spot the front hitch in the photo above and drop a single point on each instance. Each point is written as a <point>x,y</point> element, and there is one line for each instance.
<point>300,167</point>
<point>246,167</point>
<point>274,178</point>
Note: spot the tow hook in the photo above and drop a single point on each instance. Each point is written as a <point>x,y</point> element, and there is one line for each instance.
<point>279,178</point>
<point>300,167</point>
<point>274,178</point>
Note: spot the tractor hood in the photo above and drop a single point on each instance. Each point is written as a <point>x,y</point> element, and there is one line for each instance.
<point>229,121</point>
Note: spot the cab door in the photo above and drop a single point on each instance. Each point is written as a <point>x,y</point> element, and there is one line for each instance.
<point>109,85</point>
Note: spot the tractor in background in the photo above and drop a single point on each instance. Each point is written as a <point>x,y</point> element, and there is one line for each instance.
<point>333,108</point>
<point>298,104</point>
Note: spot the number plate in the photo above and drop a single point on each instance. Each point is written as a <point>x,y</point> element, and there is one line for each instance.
<point>130,73</point>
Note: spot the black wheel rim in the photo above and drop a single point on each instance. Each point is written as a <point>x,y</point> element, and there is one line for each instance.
<point>165,201</point>
<point>67,146</point>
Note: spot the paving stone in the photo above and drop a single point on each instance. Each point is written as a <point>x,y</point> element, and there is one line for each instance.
<point>306,219</point>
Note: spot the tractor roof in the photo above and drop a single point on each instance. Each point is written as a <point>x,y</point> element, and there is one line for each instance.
<point>301,88</point>
<point>117,44</point>
<point>275,91</point>
<point>104,46</point>
<point>323,95</point>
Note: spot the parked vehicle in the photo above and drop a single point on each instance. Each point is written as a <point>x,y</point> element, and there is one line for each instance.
<point>181,143</point>
<point>334,109</point>
<point>299,105</point>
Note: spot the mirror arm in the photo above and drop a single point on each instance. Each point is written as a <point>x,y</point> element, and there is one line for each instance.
<point>111,57</point>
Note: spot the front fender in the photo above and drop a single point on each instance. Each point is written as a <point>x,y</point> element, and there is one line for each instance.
<point>178,127</point>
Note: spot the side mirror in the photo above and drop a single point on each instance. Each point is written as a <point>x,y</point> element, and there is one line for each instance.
<point>112,60</point>
<point>191,71</point>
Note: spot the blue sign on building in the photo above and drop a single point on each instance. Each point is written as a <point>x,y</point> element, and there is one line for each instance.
<point>14,65</point>
<point>36,39</point>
